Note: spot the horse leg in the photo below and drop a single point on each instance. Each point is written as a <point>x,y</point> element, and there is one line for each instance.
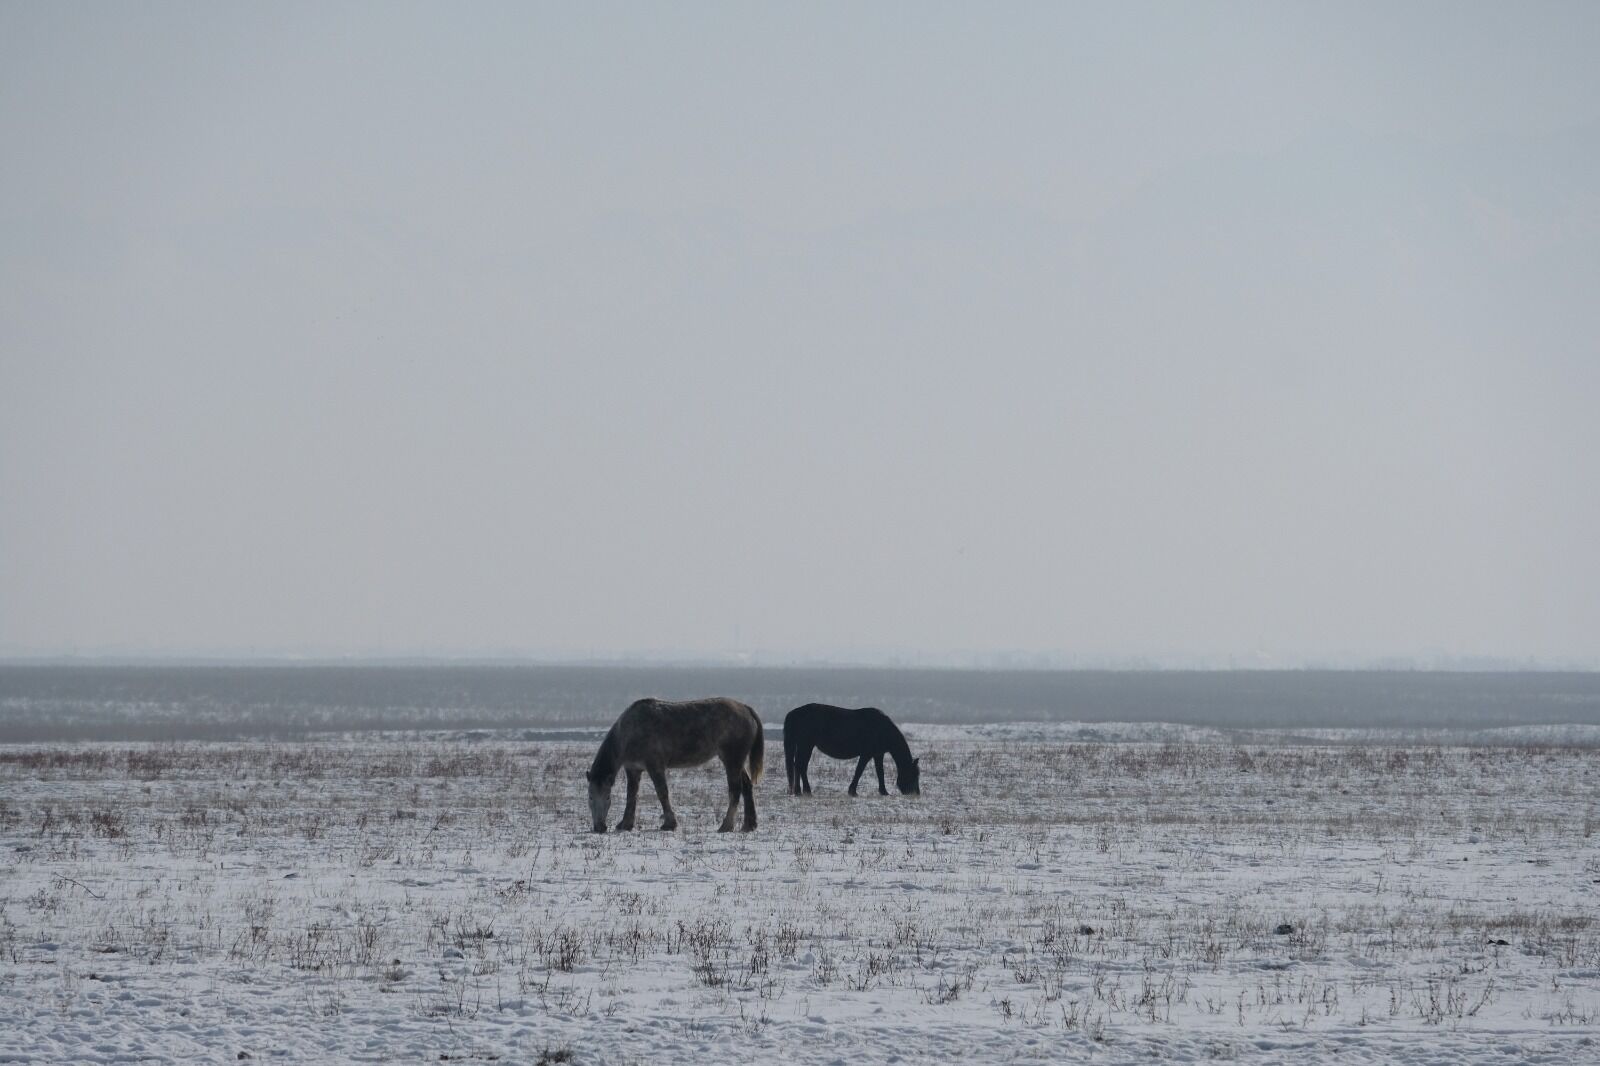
<point>878,759</point>
<point>658,778</point>
<point>803,761</point>
<point>748,790</point>
<point>633,800</point>
<point>735,771</point>
<point>861,768</point>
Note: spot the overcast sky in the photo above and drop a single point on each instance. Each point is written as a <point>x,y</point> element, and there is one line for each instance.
<point>1097,330</point>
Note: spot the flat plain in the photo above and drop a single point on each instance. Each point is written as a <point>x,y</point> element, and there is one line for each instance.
<point>438,897</point>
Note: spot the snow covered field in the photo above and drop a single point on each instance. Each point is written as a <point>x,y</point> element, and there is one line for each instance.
<point>439,899</point>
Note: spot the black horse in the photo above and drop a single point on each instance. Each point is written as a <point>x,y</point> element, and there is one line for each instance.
<point>843,733</point>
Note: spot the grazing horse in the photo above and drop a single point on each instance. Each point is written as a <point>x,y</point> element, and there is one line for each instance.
<point>653,735</point>
<point>844,732</point>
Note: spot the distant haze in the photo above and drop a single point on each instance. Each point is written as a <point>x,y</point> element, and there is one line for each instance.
<point>854,331</point>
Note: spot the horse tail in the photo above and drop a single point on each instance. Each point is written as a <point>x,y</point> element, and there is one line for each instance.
<point>757,753</point>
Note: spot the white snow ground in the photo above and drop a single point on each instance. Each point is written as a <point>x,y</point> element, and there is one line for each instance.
<point>441,900</point>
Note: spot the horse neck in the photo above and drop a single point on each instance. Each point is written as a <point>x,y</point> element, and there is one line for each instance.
<point>606,759</point>
<point>898,748</point>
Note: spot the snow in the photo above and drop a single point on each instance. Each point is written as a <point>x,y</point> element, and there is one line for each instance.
<point>1133,896</point>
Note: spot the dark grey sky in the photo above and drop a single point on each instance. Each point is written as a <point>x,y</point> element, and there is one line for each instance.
<point>1109,330</point>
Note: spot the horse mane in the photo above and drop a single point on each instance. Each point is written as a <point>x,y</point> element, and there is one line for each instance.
<point>604,767</point>
<point>898,748</point>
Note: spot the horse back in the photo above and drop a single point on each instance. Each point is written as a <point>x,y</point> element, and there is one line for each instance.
<point>679,734</point>
<point>840,732</point>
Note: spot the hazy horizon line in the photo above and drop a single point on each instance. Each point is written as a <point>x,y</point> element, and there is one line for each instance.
<point>1019,660</point>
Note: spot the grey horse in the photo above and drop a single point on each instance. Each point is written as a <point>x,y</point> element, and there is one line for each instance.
<point>652,736</point>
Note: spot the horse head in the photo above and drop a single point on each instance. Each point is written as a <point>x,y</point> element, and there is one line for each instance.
<point>910,779</point>
<point>599,798</point>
